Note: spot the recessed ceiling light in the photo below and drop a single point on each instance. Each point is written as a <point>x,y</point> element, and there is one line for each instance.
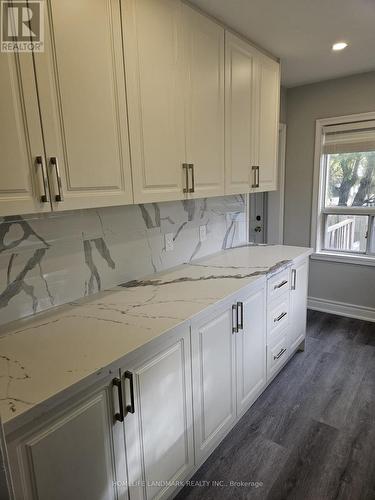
<point>339,46</point>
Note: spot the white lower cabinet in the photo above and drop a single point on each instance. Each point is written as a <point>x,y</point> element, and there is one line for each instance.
<point>229,365</point>
<point>158,421</point>
<point>251,348</point>
<point>298,302</point>
<point>77,454</point>
<point>214,378</point>
<point>286,314</point>
<point>138,435</point>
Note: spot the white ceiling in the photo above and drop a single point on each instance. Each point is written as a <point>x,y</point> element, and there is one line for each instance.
<point>301,33</point>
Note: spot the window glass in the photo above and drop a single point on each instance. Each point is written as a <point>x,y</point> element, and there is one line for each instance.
<point>350,179</point>
<point>347,233</point>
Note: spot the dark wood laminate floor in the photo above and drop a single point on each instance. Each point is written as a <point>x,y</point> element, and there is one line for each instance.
<point>311,435</point>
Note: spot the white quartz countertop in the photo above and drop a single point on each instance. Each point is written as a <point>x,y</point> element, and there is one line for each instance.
<point>43,356</point>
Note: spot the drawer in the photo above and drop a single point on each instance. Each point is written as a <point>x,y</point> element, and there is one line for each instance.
<point>277,354</point>
<point>278,284</point>
<point>278,314</point>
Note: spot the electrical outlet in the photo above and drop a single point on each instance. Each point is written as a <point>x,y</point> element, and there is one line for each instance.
<point>202,233</point>
<point>169,242</point>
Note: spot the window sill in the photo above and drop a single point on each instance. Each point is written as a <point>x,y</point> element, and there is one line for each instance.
<point>362,260</point>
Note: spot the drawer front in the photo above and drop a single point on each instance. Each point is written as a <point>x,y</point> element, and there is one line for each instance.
<point>278,314</point>
<point>277,354</point>
<point>278,284</point>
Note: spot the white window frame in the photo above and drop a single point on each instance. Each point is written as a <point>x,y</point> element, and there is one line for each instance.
<point>318,211</point>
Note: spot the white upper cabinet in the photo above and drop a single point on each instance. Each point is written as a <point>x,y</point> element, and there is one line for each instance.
<point>175,83</point>
<point>201,104</point>
<point>80,78</point>
<point>268,129</point>
<point>155,71</point>
<point>204,43</point>
<point>240,105</point>
<point>22,165</point>
<point>252,113</point>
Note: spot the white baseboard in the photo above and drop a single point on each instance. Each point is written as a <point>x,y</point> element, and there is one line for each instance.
<point>341,308</point>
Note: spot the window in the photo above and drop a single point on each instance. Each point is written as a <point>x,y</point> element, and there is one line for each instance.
<point>345,206</point>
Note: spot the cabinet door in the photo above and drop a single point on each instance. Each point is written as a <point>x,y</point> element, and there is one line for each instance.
<point>79,454</point>
<point>251,349</point>
<point>298,303</point>
<point>159,434</point>
<point>214,374</point>
<point>267,132</point>
<point>240,116</point>
<point>155,73</point>
<point>204,43</point>
<point>21,177</point>
<point>81,86</point>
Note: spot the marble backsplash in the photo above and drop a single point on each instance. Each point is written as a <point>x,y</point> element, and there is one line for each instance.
<point>48,260</point>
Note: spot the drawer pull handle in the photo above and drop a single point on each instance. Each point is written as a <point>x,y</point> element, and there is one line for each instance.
<point>278,356</point>
<point>119,416</point>
<point>234,319</point>
<point>130,408</point>
<point>279,285</point>
<point>280,317</point>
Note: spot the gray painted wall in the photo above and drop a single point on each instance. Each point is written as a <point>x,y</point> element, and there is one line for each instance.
<point>348,283</point>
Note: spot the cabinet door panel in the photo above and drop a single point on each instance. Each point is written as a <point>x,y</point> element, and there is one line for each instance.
<point>82,95</point>
<point>21,140</point>
<point>213,380</point>
<point>73,455</point>
<point>268,131</point>
<point>298,300</point>
<point>240,114</point>
<point>159,433</point>
<point>251,350</point>
<point>205,102</point>
<point>155,75</point>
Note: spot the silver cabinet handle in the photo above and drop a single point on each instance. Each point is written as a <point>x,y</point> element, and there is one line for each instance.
<point>255,169</point>
<point>185,167</point>
<point>119,416</point>
<point>191,168</point>
<point>40,163</point>
<point>282,351</point>
<point>258,178</point>
<point>234,319</point>
<point>54,164</point>
<point>280,285</point>
<point>240,323</point>
<point>280,317</point>
<point>130,408</point>
<point>294,279</point>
